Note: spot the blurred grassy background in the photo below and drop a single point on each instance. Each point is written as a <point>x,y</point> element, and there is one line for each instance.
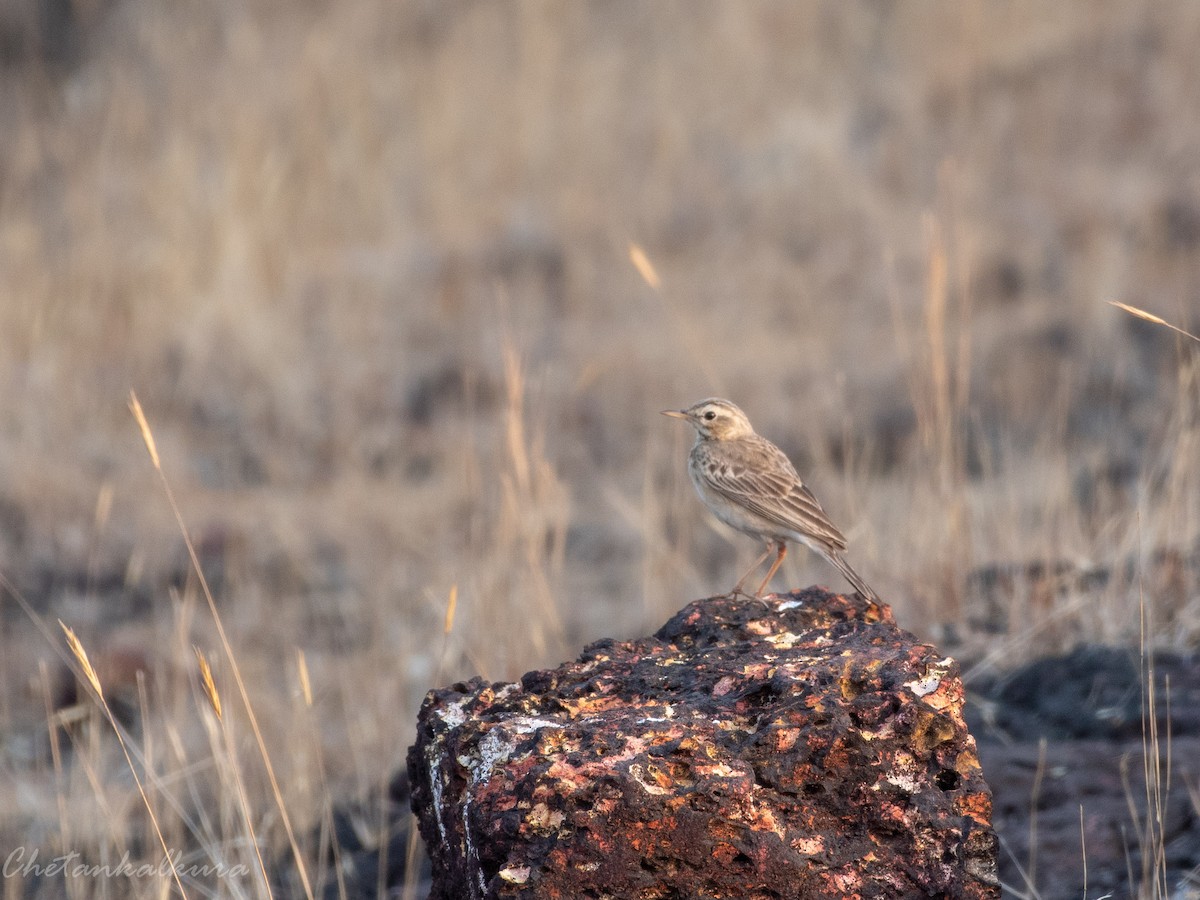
<point>366,265</point>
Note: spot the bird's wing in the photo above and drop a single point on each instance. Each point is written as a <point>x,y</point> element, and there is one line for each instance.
<point>761,478</point>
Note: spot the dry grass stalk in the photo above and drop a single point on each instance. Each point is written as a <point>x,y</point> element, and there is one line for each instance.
<point>1150,317</point>
<point>302,674</point>
<point>207,683</point>
<point>93,680</point>
<point>235,669</point>
<point>641,262</point>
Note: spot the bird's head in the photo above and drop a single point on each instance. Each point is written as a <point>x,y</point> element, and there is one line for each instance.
<point>715,419</point>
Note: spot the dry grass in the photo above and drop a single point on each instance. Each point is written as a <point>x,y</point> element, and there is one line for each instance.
<point>368,266</point>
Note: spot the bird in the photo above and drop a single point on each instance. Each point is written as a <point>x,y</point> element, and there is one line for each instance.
<point>750,484</point>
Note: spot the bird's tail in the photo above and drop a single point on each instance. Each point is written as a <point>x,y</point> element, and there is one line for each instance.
<point>856,580</point>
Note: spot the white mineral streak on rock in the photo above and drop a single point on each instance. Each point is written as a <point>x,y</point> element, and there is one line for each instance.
<point>932,680</point>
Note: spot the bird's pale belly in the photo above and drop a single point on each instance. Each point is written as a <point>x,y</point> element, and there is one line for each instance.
<point>736,516</point>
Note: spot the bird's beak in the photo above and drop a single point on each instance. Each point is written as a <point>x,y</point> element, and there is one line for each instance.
<point>675,413</point>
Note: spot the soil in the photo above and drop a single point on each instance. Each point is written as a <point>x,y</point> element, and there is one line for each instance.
<point>1066,744</point>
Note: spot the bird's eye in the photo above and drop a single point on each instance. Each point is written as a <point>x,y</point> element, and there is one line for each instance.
<point>710,415</point>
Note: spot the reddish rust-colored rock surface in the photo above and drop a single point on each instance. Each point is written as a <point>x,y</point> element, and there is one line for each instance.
<point>801,748</point>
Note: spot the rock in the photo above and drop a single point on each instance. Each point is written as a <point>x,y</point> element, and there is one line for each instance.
<point>799,748</point>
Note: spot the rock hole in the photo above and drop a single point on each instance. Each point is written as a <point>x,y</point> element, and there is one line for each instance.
<point>947,780</point>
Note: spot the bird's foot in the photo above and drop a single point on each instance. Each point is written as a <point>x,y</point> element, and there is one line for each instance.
<point>738,592</point>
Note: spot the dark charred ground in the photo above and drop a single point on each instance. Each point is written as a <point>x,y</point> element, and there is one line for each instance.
<point>1066,743</point>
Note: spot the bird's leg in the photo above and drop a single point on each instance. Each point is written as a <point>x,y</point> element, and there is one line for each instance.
<point>737,588</point>
<point>774,568</point>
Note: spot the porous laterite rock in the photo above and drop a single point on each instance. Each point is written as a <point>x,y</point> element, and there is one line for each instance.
<point>800,747</point>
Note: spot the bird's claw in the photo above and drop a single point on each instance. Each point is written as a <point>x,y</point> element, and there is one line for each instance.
<point>738,592</point>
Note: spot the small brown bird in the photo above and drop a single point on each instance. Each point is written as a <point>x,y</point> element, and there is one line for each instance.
<point>750,484</point>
